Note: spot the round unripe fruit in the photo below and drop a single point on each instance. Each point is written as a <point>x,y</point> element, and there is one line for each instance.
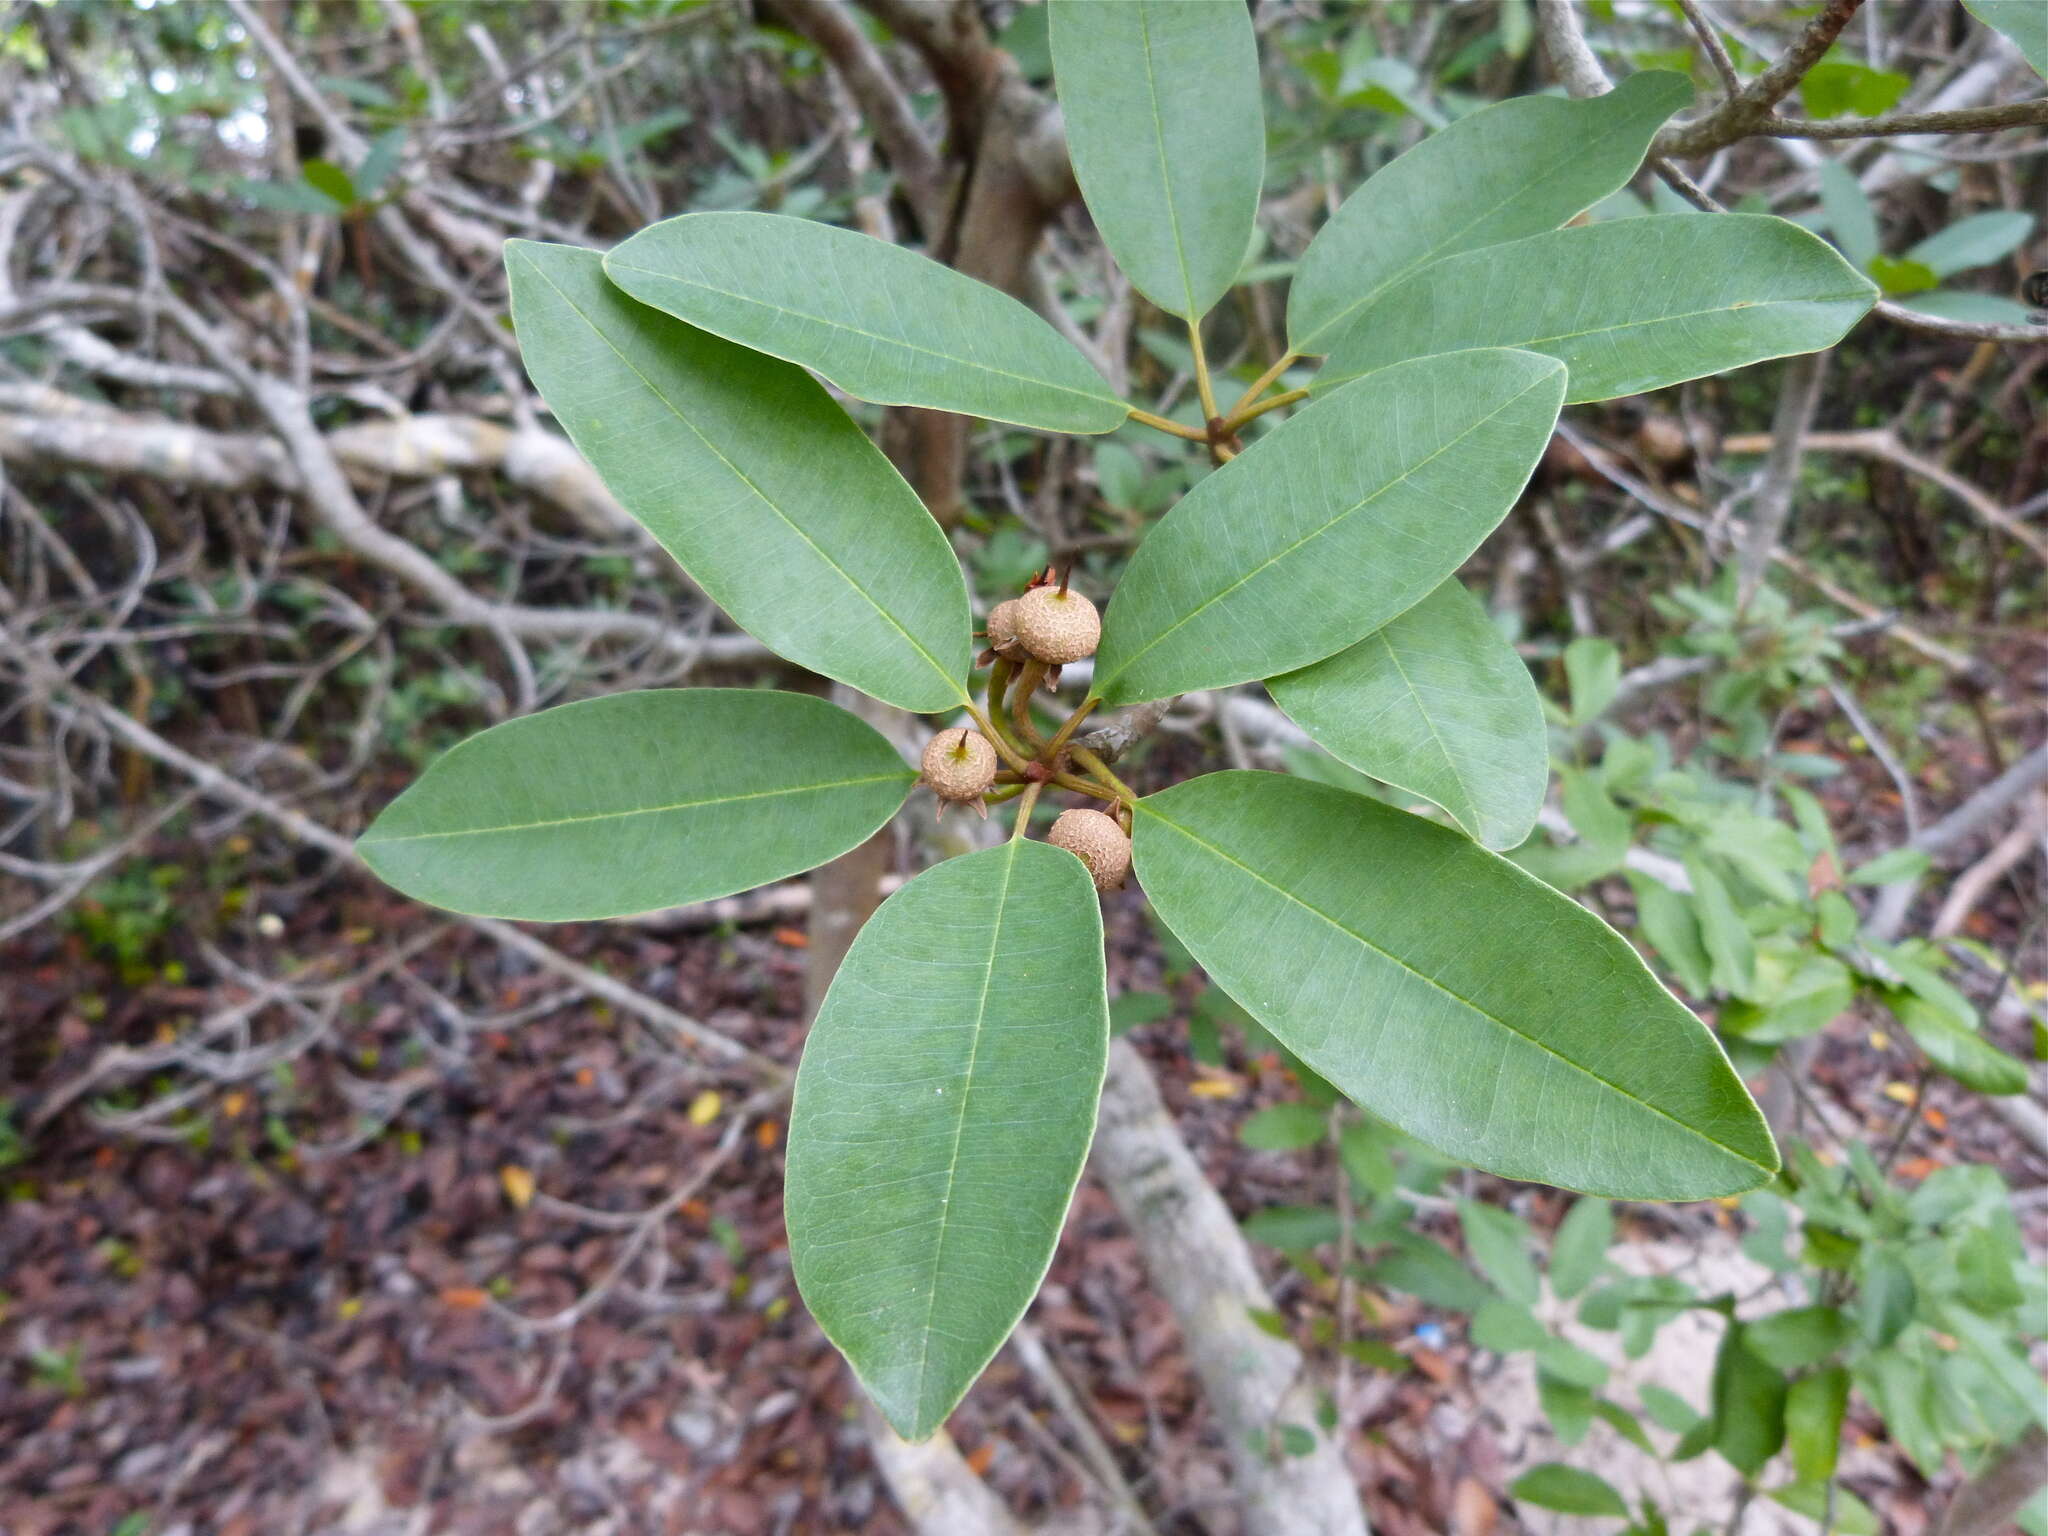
<point>1002,629</point>
<point>1098,842</point>
<point>959,765</point>
<point>1057,627</point>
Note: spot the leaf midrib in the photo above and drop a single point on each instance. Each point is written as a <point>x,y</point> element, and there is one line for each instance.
<point>1471,807</point>
<point>952,682</point>
<point>1315,533</point>
<point>1180,253</point>
<point>369,839</point>
<point>1435,985</point>
<point>988,972</point>
<point>1102,398</point>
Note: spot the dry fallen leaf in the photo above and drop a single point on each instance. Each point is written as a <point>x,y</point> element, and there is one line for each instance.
<point>464,1298</point>
<point>704,1108</point>
<point>518,1184</point>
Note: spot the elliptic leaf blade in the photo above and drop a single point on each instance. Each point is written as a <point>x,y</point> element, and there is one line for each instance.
<point>1435,702</point>
<point>1628,305</point>
<point>1513,169</point>
<point>745,470</point>
<point>1167,135</point>
<point>1334,523</point>
<point>881,322</point>
<point>1446,991</point>
<point>636,801</point>
<point>943,1111</point>
<point>2023,22</point>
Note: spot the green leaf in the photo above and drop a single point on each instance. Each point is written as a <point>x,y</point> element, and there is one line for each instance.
<point>943,1110</point>
<point>1283,1128</point>
<point>1339,520</point>
<point>1292,1228</point>
<point>1898,277</point>
<point>1813,1422</point>
<point>1956,1050</point>
<point>1421,1268</point>
<point>1851,1516</point>
<point>637,801</point>
<point>1167,136</point>
<point>1848,211</point>
<point>1397,959</point>
<point>1749,1405</point>
<point>1799,1336</point>
<point>386,151</point>
<point>1568,1490</point>
<point>1506,1327</point>
<point>2020,20</point>
<point>746,471</point>
<point>1840,87</point>
<point>1435,702</point>
<point>1667,920</point>
<point>1727,937</point>
<point>1128,1011</point>
<point>331,181</point>
<point>1887,1298</point>
<point>1628,305</point>
<point>1567,1405</point>
<point>1899,864</point>
<point>1625,1424</point>
<point>881,322</point>
<point>1364,1148</point>
<point>1510,170</point>
<point>1812,997</point>
<point>1670,1411</point>
<point>1592,666</point>
<point>1498,1244</point>
<point>1972,308</point>
<point>289,197</point>
<point>1580,1247</point>
<point>1976,241</point>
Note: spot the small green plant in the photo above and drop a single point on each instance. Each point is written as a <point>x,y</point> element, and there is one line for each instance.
<point>948,1089</point>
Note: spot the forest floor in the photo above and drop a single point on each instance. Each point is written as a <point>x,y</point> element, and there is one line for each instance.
<point>286,1317</point>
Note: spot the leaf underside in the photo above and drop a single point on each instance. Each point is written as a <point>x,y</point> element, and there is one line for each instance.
<point>1446,991</point>
<point>1328,527</point>
<point>881,322</point>
<point>1627,305</point>
<point>1437,703</point>
<point>1167,136</point>
<point>943,1111</point>
<point>1513,169</point>
<point>637,801</point>
<point>749,474</point>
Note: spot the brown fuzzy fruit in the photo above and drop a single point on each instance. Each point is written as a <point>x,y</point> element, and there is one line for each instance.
<point>1057,627</point>
<point>1098,842</point>
<point>959,765</point>
<point>1002,630</point>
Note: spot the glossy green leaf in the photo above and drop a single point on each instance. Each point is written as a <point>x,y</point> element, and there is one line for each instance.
<point>1568,1490</point>
<point>1446,991</point>
<point>1167,136</point>
<point>1435,702</point>
<point>1580,1247</point>
<point>1814,1410</point>
<point>1837,87</point>
<point>881,322</point>
<point>1628,305</point>
<point>2025,22</point>
<point>1976,241</point>
<point>746,471</point>
<point>637,801</point>
<point>1510,170</point>
<point>1339,520</point>
<point>943,1110</point>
